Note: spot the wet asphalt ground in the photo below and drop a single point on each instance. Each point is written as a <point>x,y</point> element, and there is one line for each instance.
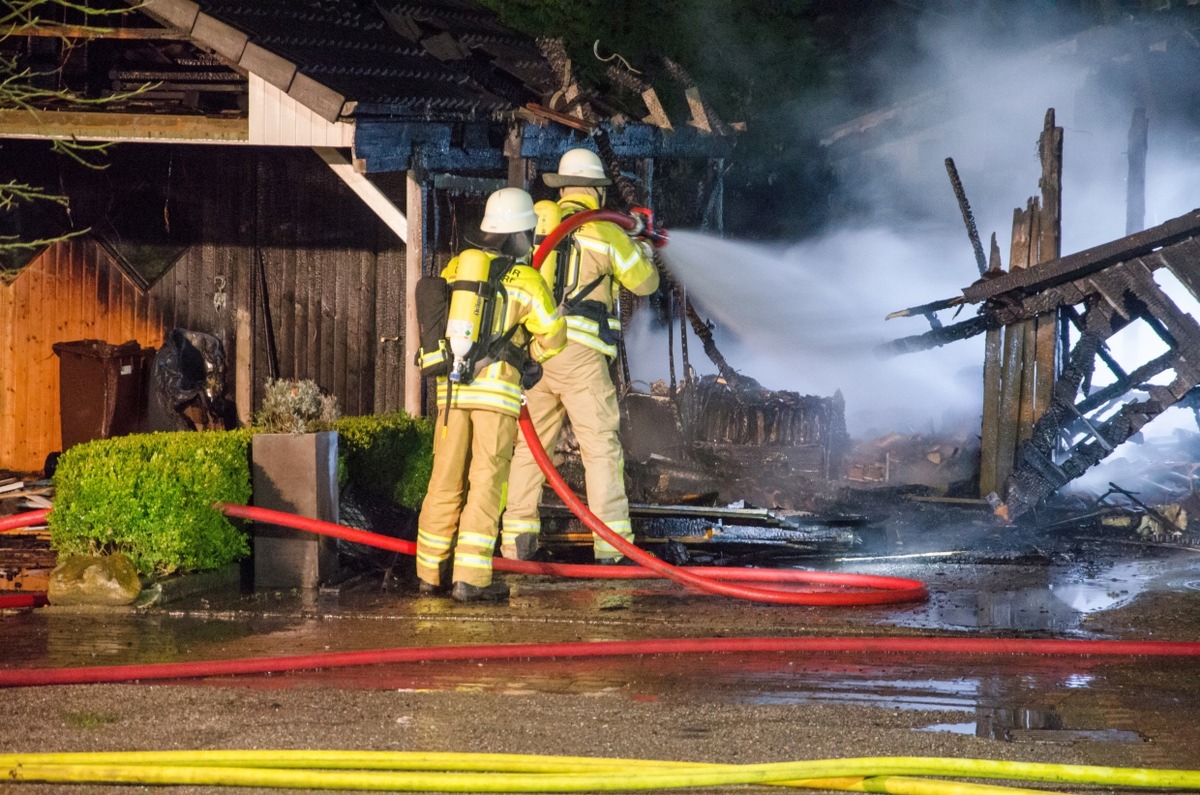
<point>984,581</point>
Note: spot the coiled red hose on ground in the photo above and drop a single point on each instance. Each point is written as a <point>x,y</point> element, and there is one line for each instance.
<point>707,580</point>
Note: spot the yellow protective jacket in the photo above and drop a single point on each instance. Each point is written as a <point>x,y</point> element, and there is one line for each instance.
<point>523,299</point>
<point>601,248</point>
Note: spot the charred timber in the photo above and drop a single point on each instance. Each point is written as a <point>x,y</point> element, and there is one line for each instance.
<point>747,414</point>
<point>937,337</point>
<point>1083,263</point>
<point>968,217</point>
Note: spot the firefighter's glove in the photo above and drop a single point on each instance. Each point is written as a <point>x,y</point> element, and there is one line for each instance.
<point>531,373</point>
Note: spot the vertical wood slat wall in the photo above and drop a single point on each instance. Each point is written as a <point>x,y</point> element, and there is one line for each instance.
<point>328,295</point>
<point>1021,359</point>
<point>73,291</point>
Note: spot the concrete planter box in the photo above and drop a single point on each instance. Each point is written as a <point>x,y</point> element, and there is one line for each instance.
<point>296,474</point>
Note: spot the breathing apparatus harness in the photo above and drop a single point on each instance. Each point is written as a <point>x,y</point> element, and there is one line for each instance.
<point>456,322</point>
<point>557,256</point>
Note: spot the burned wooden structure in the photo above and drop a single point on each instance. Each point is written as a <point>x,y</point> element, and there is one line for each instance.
<point>1098,293</point>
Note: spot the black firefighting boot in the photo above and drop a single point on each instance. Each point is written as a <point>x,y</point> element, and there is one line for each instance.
<point>524,546</point>
<point>465,592</point>
<point>442,586</point>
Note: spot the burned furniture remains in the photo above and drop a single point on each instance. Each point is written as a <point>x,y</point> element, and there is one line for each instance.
<point>1098,292</point>
<point>189,382</point>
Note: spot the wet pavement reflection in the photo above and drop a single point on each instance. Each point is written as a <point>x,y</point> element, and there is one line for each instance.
<point>1017,699</point>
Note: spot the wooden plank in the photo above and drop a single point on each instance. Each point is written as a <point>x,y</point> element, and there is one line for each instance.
<point>272,68</point>
<point>44,430</point>
<point>1028,328</point>
<point>371,195</point>
<point>343,317</point>
<point>1135,184</point>
<point>387,328</point>
<point>1012,363</point>
<point>321,100</point>
<point>221,37</point>
<point>413,262</point>
<point>8,435</point>
<point>1049,249</point>
<point>1179,324</point>
<point>323,276</point>
<point>1183,260</point>
<point>360,311</point>
<point>245,324</point>
<point>91,33</point>
<point>112,126</point>
<point>176,13</point>
<point>20,427</point>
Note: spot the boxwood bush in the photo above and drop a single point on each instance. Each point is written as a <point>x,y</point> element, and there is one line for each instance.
<point>388,455</point>
<point>150,496</point>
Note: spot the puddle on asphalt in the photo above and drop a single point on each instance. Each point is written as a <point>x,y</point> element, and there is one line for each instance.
<point>987,727</point>
<point>1057,605</point>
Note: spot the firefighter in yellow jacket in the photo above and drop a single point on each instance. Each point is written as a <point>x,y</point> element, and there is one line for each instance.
<point>479,400</point>
<point>601,259</point>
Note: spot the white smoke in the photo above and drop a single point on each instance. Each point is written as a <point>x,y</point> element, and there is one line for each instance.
<point>807,315</point>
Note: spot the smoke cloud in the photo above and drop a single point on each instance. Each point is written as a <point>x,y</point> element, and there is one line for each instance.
<point>806,315</point>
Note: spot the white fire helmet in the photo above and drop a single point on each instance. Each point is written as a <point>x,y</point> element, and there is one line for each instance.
<point>508,210</point>
<point>580,167</point>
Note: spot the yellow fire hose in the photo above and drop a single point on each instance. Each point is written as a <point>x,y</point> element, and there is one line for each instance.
<point>449,772</point>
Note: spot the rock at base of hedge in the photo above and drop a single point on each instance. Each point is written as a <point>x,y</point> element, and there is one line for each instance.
<point>94,580</point>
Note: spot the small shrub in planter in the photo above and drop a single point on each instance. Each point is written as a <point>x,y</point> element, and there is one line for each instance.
<point>388,455</point>
<point>295,406</point>
<point>151,497</point>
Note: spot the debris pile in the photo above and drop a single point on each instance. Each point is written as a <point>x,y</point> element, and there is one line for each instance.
<point>947,464</point>
<point>26,558</point>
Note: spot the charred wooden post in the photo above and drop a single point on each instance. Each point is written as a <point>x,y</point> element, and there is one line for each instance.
<point>968,217</point>
<point>1135,186</point>
<point>990,425</point>
<point>1050,147</point>
<point>1021,360</point>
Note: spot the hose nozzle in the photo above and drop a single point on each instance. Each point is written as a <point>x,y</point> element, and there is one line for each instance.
<point>646,229</point>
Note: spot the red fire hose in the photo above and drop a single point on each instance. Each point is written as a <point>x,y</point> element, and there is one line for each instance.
<point>707,580</point>
<point>32,677</point>
<point>882,590</point>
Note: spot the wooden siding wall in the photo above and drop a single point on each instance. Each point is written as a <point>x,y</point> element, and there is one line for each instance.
<point>333,276</point>
<point>334,286</point>
<point>73,291</point>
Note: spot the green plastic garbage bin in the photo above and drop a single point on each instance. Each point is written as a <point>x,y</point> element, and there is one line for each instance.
<point>102,389</point>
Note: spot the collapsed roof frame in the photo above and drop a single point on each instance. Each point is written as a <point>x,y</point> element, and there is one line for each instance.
<point>1099,292</point>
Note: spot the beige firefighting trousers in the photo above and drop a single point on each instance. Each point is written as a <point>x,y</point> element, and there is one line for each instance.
<point>575,382</point>
<point>472,451</point>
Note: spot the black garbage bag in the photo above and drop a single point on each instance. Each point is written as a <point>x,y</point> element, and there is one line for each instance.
<point>189,381</point>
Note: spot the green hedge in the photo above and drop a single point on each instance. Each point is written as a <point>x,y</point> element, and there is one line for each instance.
<point>390,455</point>
<point>150,496</point>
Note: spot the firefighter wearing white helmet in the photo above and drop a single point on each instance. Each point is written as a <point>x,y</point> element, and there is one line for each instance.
<point>601,258</point>
<point>477,416</point>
